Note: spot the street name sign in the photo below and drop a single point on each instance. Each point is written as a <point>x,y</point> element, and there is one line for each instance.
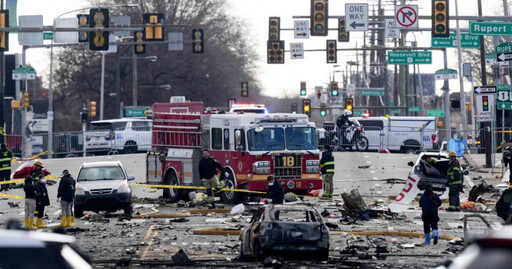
<point>390,30</point>
<point>484,89</point>
<point>504,97</point>
<point>371,93</point>
<point>23,73</point>
<point>409,57</point>
<point>504,52</point>
<point>297,50</point>
<point>435,113</point>
<point>446,74</point>
<point>48,35</point>
<point>356,17</point>
<point>468,41</point>
<point>490,28</point>
<point>301,28</point>
<point>414,109</point>
<point>406,16</point>
<point>491,58</point>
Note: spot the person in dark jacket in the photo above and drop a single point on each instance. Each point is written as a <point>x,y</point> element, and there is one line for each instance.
<point>30,201</point>
<point>275,191</point>
<point>5,166</point>
<point>430,203</point>
<point>42,201</point>
<point>454,181</point>
<point>208,173</point>
<point>507,162</point>
<point>327,169</point>
<point>66,195</point>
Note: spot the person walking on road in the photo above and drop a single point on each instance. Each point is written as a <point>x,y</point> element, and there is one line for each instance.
<point>507,162</point>
<point>430,203</point>
<point>5,166</point>
<point>42,200</point>
<point>66,195</point>
<point>275,191</point>
<point>327,170</point>
<point>454,181</point>
<point>30,202</point>
<point>208,173</point>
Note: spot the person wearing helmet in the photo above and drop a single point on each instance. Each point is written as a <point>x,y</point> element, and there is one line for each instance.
<point>342,123</point>
<point>507,161</point>
<point>454,181</point>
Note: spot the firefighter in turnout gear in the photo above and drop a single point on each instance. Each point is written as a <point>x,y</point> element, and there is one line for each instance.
<point>454,182</point>
<point>208,172</point>
<point>327,169</point>
<point>5,166</point>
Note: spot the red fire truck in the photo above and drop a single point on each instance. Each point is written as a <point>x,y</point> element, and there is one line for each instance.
<point>249,146</point>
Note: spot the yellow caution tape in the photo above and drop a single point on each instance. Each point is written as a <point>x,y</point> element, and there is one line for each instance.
<point>12,196</point>
<point>23,180</point>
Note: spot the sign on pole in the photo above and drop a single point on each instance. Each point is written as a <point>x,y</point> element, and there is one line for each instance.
<point>504,52</point>
<point>356,17</point>
<point>30,38</point>
<point>485,99</point>
<point>490,28</point>
<point>175,41</point>
<point>371,93</point>
<point>484,89</point>
<point>504,97</point>
<point>446,74</point>
<point>435,113</point>
<point>24,73</point>
<point>390,30</point>
<point>406,16</point>
<point>414,109</point>
<point>468,41</point>
<point>297,50</point>
<point>122,21</point>
<point>301,28</point>
<point>65,37</point>
<point>409,57</point>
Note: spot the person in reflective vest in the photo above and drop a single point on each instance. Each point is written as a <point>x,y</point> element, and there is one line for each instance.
<point>454,182</point>
<point>327,169</point>
<point>5,166</point>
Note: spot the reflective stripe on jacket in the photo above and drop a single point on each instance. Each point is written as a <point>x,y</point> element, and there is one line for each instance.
<point>454,173</point>
<point>327,163</point>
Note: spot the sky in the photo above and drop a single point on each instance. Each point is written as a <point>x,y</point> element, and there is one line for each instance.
<point>279,79</point>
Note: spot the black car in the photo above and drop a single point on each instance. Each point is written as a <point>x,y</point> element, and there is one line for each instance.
<point>296,230</point>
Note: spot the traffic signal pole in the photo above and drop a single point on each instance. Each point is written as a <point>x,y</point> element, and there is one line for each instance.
<point>2,90</point>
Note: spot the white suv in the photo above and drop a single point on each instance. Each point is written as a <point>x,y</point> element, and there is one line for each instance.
<point>103,186</point>
<point>127,135</point>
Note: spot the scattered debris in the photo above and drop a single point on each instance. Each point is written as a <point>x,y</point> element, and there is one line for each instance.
<point>238,209</point>
<point>181,258</point>
<point>201,211</point>
<point>13,204</point>
<point>179,220</point>
<point>161,215</point>
<point>363,166</point>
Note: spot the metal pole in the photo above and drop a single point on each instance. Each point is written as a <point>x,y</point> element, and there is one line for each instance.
<point>421,92</point>
<point>461,78</point>
<point>102,85</point>
<point>84,125</point>
<point>134,79</point>
<point>50,106</point>
<point>118,85</point>
<point>473,138</point>
<point>487,138</point>
<point>505,13</point>
<point>446,89</point>
<point>2,89</point>
<point>24,111</point>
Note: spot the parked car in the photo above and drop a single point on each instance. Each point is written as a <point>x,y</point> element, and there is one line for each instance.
<point>287,229</point>
<point>103,186</point>
<point>493,251</point>
<point>38,250</point>
<point>127,135</point>
<point>430,168</point>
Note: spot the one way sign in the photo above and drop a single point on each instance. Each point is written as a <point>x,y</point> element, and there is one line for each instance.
<point>484,89</point>
<point>356,17</point>
<point>297,50</point>
<point>504,57</point>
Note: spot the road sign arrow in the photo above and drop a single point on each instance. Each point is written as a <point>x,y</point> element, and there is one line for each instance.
<point>503,106</point>
<point>501,56</point>
<point>302,34</point>
<point>297,55</point>
<point>354,25</point>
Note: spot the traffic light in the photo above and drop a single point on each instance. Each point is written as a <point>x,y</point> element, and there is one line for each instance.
<point>98,19</point>
<point>153,26</point>
<point>274,28</point>
<point>485,103</point>
<point>92,109</point>
<point>231,102</point>
<point>26,100</point>
<point>197,41</point>
<point>294,108</point>
<point>343,35</point>
<point>303,88</point>
<point>334,88</point>
<point>83,22</point>
<point>332,57</point>
<point>323,109</point>
<point>275,52</point>
<point>319,18</point>
<point>440,19</point>
<point>318,92</point>
<point>306,107</point>
<point>139,47</point>
<point>4,36</point>
<point>83,117</point>
<point>349,104</point>
<point>245,89</point>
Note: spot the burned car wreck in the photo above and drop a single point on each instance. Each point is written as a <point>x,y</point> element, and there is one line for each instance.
<point>431,168</point>
<point>294,231</point>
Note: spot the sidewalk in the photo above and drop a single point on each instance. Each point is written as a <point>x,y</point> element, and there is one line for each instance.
<point>477,162</point>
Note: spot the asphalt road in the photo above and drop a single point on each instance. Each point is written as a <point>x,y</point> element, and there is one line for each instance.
<point>108,239</point>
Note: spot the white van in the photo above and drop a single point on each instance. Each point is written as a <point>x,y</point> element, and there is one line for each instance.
<point>127,135</point>
<point>403,134</point>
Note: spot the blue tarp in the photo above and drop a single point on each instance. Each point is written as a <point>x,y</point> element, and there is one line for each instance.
<point>457,145</point>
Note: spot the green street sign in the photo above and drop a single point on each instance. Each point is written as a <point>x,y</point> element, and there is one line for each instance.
<point>446,74</point>
<point>358,112</point>
<point>468,41</point>
<point>414,109</point>
<point>490,28</point>
<point>135,112</point>
<point>504,105</point>
<point>48,36</point>
<point>23,73</point>
<point>504,47</point>
<point>371,93</point>
<point>435,113</point>
<point>409,57</point>
<point>395,111</point>
<point>503,96</point>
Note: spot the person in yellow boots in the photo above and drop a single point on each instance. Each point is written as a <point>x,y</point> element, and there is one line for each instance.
<point>30,202</point>
<point>65,194</point>
<point>42,200</point>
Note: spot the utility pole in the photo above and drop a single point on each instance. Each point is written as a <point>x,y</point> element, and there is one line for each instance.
<point>461,79</point>
<point>446,89</point>
<point>486,125</point>
<point>2,90</point>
